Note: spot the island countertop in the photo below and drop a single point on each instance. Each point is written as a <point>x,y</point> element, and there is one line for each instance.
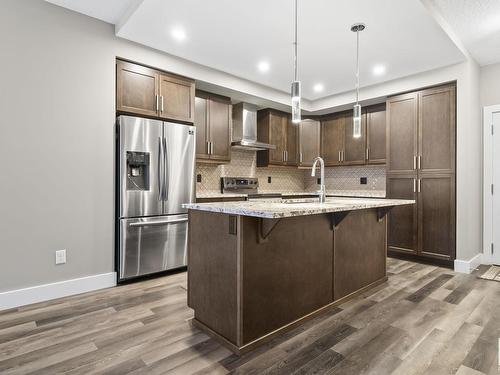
<point>292,207</point>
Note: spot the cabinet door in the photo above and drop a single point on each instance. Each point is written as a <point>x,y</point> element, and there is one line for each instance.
<point>436,216</point>
<point>402,225</point>
<point>219,119</point>
<point>436,130</point>
<point>201,124</point>
<point>309,142</point>
<point>375,139</point>
<point>136,89</point>
<point>291,142</point>
<point>354,148</point>
<point>402,133</point>
<point>277,137</point>
<point>177,98</point>
<point>359,249</point>
<point>332,140</point>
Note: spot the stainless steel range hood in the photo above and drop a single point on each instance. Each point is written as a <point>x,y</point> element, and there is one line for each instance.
<point>245,128</point>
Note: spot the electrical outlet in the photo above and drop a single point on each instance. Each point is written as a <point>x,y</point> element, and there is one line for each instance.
<point>318,181</point>
<point>198,178</point>
<point>61,256</point>
<point>269,179</point>
<point>363,180</point>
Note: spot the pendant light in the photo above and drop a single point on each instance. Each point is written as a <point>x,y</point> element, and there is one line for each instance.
<point>356,118</point>
<point>295,92</point>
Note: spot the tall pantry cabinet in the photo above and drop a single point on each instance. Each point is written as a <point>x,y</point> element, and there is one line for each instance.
<point>421,152</point>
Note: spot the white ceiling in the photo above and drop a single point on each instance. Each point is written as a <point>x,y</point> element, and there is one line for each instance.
<point>110,11</point>
<point>234,36</point>
<point>477,24</point>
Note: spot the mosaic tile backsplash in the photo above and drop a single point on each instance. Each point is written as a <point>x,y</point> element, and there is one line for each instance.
<point>288,179</point>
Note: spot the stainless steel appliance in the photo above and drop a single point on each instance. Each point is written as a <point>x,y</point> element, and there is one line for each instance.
<point>156,167</point>
<point>248,186</point>
<point>244,135</point>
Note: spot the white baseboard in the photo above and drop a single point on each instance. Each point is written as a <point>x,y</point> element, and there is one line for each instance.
<point>40,293</point>
<point>467,266</point>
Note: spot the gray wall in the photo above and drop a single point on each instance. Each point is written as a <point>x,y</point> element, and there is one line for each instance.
<point>490,85</point>
<point>56,144</point>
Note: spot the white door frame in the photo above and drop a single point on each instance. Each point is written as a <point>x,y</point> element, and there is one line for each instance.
<point>487,181</point>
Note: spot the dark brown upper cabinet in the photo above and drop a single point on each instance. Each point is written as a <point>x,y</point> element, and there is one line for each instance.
<point>354,148</point>
<point>136,89</point>
<point>332,139</point>
<point>213,119</point>
<point>436,130</point>
<point>309,141</point>
<point>402,120</point>
<point>338,145</point>
<point>375,134</point>
<point>276,128</point>
<point>176,98</point>
<point>149,92</point>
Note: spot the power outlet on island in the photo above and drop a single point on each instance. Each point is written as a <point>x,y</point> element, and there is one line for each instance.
<point>61,256</point>
<point>363,180</point>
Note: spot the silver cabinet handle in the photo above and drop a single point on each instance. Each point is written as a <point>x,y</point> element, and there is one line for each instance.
<point>340,157</point>
<point>160,169</point>
<point>208,148</point>
<point>367,154</point>
<point>163,222</point>
<point>161,103</point>
<point>212,148</point>
<point>165,175</point>
<point>419,161</point>
<point>418,185</point>
<point>414,162</point>
<point>414,185</point>
<point>286,155</point>
<point>300,157</point>
<point>157,102</point>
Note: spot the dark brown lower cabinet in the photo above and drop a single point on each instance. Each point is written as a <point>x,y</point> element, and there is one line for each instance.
<point>359,258</point>
<point>436,216</point>
<point>426,229</point>
<point>402,225</point>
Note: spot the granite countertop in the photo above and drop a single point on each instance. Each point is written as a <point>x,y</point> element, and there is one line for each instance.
<point>299,207</point>
<point>331,193</point>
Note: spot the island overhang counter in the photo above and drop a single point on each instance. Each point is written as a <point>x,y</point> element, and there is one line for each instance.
<point>258,269</point>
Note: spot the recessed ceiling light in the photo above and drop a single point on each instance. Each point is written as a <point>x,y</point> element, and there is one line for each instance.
<point>378,70</point>
<point>178,34</point>
<point>318,87</point>
<point>263,66</point>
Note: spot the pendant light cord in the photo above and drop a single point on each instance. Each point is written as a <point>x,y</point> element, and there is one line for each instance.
<point>295,62</point>
<point>357,66</point>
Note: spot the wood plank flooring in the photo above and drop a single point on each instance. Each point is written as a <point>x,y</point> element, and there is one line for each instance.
<point>424,320</point>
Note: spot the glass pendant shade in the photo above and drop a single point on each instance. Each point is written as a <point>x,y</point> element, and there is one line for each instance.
<point>356,121</point>
<point>295,93</point>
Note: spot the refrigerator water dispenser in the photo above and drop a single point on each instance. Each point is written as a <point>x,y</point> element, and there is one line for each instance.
<point>137,170</point>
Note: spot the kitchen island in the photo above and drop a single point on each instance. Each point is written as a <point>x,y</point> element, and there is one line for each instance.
<point>258,269</point>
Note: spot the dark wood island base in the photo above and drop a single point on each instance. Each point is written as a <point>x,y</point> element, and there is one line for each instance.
<point>251,279</point>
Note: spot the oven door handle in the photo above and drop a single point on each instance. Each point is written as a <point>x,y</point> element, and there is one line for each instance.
<point>163,222</point>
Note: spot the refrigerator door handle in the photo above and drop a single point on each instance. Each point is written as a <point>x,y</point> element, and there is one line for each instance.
<point>163,222</point>
<point>160,169</point>
<point>165,170</point>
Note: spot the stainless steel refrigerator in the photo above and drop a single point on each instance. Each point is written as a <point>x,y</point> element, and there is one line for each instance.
<point>156,167</point>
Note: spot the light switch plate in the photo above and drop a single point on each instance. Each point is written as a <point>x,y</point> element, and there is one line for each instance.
<point>61,256</point>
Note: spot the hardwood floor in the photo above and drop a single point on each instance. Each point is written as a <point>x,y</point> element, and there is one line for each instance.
<point>424,320</point>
